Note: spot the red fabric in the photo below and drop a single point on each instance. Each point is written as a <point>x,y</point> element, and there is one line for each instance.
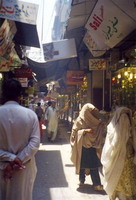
<point>41,131</point>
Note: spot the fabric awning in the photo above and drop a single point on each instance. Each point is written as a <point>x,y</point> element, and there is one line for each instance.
<point>49,71</point>
<point>26,35</point>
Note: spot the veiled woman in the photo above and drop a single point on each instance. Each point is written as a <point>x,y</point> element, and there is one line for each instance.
<point>86,138</point>
<point>119,157</point>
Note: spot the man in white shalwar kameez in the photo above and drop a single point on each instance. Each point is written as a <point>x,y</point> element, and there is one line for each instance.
<point>19,141</point>
<point>51,116</point>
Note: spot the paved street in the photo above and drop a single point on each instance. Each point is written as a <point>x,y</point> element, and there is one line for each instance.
<point>56,178</point>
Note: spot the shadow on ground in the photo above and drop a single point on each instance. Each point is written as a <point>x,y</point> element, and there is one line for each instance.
<point>50,174</point>
<point>88,189</point>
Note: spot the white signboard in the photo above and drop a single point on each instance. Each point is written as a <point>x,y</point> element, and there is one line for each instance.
<point>96,49</point>
<point>59,50</point>
<point>109,24</point>
<point>19,11</point>
<point>97,64</point>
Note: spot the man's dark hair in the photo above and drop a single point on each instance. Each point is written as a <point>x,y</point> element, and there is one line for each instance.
<point>49,103</point>
<point>11,89</point>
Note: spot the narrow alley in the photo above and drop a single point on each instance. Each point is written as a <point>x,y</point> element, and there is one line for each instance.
<point>56,178</point>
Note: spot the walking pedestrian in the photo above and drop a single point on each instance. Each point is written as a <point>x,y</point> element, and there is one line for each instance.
<point>119,156</point>
<point>39,112</point>
<point>86,138</point>
<point>19,142</point>
<point>51,119</point>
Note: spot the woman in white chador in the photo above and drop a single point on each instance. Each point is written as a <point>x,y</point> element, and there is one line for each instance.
<point>51,119</point>
<point>118,157</point>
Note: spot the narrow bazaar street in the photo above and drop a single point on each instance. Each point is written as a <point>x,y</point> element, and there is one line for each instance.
<point>56,178</point>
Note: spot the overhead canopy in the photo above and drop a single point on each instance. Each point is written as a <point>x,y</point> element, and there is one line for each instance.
<point>26,35</point>
<point>49,71</point>
<point>24,13</point>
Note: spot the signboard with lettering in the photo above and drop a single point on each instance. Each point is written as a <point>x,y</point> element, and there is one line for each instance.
<point>74,77</point>
<point>24,72</point>
<point>59,50</point>
<point>96,49</point>
<point>19,11</point>
<point>97,64</point>
<point>109,24</point>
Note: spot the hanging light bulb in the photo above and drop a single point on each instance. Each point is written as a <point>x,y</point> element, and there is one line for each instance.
<point>126,73</point>
<point>119,76</point>
<point>131,76</point>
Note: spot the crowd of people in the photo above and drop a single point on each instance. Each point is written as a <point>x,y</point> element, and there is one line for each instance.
<point>95,143</point>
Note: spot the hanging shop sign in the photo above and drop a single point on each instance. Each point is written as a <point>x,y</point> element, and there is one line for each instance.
<point>129,7</point>
<point>19,11</point>
<point>24,72</point>
<point>109,24</point>
<point>9,60</point>
<point>96,49</point>
<point>97,64</point>
<point>59,50</point>
<point>74,77</point>
<point>7,32</point>
<point>8,55</point>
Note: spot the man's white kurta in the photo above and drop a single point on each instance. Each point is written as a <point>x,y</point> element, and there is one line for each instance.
<point>52,117</point>
<point>19,136</point>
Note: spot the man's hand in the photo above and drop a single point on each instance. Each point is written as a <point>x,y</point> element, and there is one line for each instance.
<point>11,167</point>
<point>18,161</point>
<point>8,171</point>
<point>17,164</point>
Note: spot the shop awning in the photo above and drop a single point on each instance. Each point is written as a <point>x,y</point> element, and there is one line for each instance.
<point>24,14</point>
<point>26,35</point>
<point>49,71</point>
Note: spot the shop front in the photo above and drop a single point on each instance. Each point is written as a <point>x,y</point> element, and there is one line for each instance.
<point>124,82</point>
<point>76,81</point>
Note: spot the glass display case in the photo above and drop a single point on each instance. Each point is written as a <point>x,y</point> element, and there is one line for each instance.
<point>124,87</point>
